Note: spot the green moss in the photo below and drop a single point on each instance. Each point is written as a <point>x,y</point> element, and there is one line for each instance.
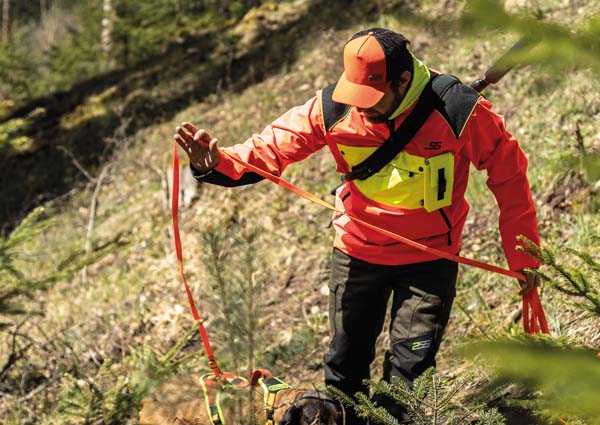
<point>12,133</point>
<point>94,108</point>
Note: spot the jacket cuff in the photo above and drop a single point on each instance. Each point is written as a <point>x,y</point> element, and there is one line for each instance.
<point>518,259</point>
<point>199,175</point>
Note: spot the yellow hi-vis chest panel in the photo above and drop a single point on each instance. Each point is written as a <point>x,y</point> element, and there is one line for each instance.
<point>439,180</point>
<point>407,181</point>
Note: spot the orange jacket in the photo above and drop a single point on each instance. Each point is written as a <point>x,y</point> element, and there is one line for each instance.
<point>483,141</point>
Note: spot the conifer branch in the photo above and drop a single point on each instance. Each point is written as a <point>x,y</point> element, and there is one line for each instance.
<point>217,257</point>
<point>431,401</point>
<point>569,280</point>
<point>365,408</point>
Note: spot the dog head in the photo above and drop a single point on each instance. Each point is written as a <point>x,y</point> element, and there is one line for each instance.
<point>313,408</point>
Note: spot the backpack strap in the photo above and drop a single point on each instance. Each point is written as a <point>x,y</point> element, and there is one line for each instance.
<point>398,139</point>
<point>333,112</point>
<point>429,100</point>
<point>445,93</point>
<point>457,101</point>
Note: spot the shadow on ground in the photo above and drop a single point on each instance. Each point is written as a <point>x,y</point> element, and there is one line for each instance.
<point>77,125</point>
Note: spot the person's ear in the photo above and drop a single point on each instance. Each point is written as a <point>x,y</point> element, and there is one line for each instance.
<point>405,78</point>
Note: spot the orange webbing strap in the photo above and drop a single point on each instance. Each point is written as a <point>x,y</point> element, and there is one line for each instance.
<point>537,321</point>
<point>174,212</point>
<point>532,323</point>
<point>212,387</point>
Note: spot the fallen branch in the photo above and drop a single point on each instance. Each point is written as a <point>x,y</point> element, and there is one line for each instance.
<point>77,164</point>
<point>14,355</point>
<point>88,245</point>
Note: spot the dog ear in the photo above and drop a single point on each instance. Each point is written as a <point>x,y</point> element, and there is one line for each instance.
<point>292,416</point>
<point>324,406</point>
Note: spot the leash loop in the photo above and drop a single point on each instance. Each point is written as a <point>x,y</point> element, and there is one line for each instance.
<point>533,323</point>
<point>212,387</point>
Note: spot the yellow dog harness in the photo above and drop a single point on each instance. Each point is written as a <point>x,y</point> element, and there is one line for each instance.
<point>271,387</point>
<point>213,386</point>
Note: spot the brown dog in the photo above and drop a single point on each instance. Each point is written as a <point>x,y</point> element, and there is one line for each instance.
<point>310,407</point>
<point>180,401</point>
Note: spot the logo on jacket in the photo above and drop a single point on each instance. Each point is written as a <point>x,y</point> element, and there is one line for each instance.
<point>433,146</point>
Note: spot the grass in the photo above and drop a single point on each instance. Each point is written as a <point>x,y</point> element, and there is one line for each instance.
<point>133,297</point>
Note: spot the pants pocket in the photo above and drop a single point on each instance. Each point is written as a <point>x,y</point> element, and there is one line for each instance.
<point>335,308</point>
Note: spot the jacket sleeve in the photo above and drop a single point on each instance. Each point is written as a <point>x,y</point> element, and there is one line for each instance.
<point>491,147</point>
<point>290,138</point>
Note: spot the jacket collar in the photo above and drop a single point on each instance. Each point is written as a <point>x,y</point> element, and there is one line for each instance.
<point>420,78</point>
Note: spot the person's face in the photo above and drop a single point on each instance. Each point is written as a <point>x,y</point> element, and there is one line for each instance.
<point>380,112</point>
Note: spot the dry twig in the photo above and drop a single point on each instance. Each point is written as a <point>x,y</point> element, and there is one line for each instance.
<point>88,245</point>
<point>77,164</point>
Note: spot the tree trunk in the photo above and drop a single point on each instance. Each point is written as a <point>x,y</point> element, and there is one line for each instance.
<point>5,22</point>
<point>107,33</point>
<point>43,9</point>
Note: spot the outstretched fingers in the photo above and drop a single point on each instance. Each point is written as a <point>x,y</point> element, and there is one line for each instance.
<point>212,145</point>
<point>197,143</point>
<point>189,127</point>
<point>183,139</point>
<point>198,135</point>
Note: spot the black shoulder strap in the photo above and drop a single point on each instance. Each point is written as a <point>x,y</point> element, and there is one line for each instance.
<point>441,83</point>
<point>457,102</point>
<point>332,111</point>
<point>398,140</point>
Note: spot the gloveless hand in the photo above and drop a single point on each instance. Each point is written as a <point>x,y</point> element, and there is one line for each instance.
<point>532,280</point>
<point>199,146</point>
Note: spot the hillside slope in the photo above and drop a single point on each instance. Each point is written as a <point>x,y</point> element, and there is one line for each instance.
<point>86,334</point>
<point>41,150</point>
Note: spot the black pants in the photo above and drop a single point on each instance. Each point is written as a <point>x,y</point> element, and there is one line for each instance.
<point>422,296</point>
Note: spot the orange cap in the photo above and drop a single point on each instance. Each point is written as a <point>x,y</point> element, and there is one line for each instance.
<point>364,80</point>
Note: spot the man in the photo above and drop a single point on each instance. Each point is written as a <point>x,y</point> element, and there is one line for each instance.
<point>418,193</point>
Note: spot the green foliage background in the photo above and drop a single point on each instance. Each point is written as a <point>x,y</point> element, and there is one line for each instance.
<point>51,52</point>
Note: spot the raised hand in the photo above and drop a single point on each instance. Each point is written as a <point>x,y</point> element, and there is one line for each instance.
<point>200,148</point>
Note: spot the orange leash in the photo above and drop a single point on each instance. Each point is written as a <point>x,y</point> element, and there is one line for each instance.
<point>174,213</point>
<point>534,318</point>
<point>537,321</point>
